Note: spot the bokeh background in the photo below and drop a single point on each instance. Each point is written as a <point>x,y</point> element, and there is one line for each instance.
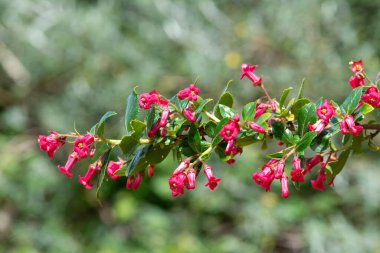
<point>66,62</point>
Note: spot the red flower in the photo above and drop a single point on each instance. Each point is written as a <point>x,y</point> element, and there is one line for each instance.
<point>318,126</point>
<point>284,186</point>
<point>191,175</point>
<point>82,146</point>
<point>112,167</point>
<point>343,127</point>
<point>212,181</point>
<point>256,127</point>
<point>326,111</point>
<point>146,100</point>
<point>279,171</point>
<point>372,97</point>
<point>50,143</point>
<point>138,180</point>
<point>354,129</point>
<point>189,92</point>
<point>296,173</point>
<point>150,170</point>
<point>356,81</point>
<point>318,183</point>
<point>189,115</point>
<point>264,178</point>
<point>230,146</point>
<point>130,181</point>
<point>154,129</point>
<point>357,66</point>
<point>311,163</point>
<point>230,130</point>
<point>183,165</point>
<point>73,158</point>
<point>177,184</point>
<point>248,72</point>
<point>92,169</point>
<point>261,108</point>
<point>164,117</point>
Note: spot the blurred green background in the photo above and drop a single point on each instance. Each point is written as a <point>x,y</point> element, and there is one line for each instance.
<point>68,61</point>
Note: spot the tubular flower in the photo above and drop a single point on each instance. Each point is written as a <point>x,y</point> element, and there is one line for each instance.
<point>279,171</point>
<point>230,146</point>
<point>50,143</point>
<point>82,146</point>
<point>189,115</point>
<point>182,166</point>
<point>284,186</point>
<point>230,130</point>
<point>372,97</point>
<point>264,178</point>
<point>343,127</point>
<point>92,169</point>
<point>146,100</point>
<point>151,170</point>
<point>247,71</point>
<point>73,158</point>
<point>296,173</point>
<point>354,129</point>
<point>356,80</point>
<point>164,117</point>
<point>212,181</point>
<point>191,175</point>
<point>154,129</point>
<point>261,108</point>
<point>177,183</point>
<point>256,127</point>
<point>130,181</point>
<point>138,180</point>
<point>318,184</point>
<point>190,92</point>
<point>356,66</point>
<point>311,163</point>
<point>112,167</point>
<point>326,111</point>
<point>319,126</point>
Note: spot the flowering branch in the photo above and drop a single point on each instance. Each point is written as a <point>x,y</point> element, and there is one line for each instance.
<point>186,126</point>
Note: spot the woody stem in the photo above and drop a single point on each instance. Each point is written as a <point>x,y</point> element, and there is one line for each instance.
<point>371,126</point>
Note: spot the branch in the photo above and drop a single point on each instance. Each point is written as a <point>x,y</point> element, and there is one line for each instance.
<point>371,126</point>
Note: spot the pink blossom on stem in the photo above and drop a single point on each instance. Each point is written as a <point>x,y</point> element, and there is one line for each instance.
<point>230,146</point>
<point>138,180</point>
<point>177,184</point>
<point>284,186</point>
<point>50,143</point>
<point>113,166</point>
<point>264,178</point>
<point>230,130</point>
<point>212,181</point>
<point>164,117</point>
<point>273,105</point>
<point>82,145</point>
<point>191,175</point>
<point>354,129</point>
<point>356,80</point>
<point>326,111</point>
<point>318,184</point>
<point>73,158</point>
<point>261,108</point>
<point>247,71</point>
<point>356,66</point>
<point>256,127</point>
<point>319,126</point>
<point>130,181</point>
<point>296,173</point>
<point>92,170</point>
<point>190,92</point>
<point>279,171</point>
<point>372,97</point>
<point>154,129</point>
<point>311,163</point>
<point>189,115</point>
<point>183,165</point>
<point>343,127</point>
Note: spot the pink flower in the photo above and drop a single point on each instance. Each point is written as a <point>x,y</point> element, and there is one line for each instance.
<point>191,175</point>
<point>279,171</point>
<point>189,92</point>
<point>264,178</point>
<point>73,158</point>
<point>130,181</point>
<point>189,115</point>
<point>164,117</point>
<point>154,129</point>
<point>138,180</point>
<point>343,127</point>
<point>318,126</point>
<point>261,108</point>
<point>82,146</point>
<point>112,167</point>
<point>326,111</point>
<point>230,161</point>
<point>354,129</point>
<point>212,181</point>
<point>92,169</point>
<point>230,130</point>
<point>356,66</point>
<point>182,166</point>
<point>146,100</point>
<point>284,186</point>
<point>356,81</point>
<point>311,163</point>
<point>273,105</point>
<point>150,170</point>
<point>247,71</point>
<point>50,143</point>
<point>372,97</point>
<point>318,183</point>
<point>296,173</point>
<point>256,127</point>
<point>177,184</point>
<point>230,146</point>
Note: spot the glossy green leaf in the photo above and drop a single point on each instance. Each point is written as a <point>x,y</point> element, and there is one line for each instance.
<point>202,106</point>
<point>128,144</point>
<point>305,141</point>
<point>284,95</point>
<point>151,117</point>
<point>105,159</point>
<point>249,111</point>
<point>288,137</point>
<point>306,114</point>
<point>98,128</point>
<point>277,155</point>
<point>226,112</point>
<point>157,153</point>
<point>300,91</point>
<point>278,130</point>
<point>352,101</point>
<point>337,166</point>
<point>225,98</point>
<point>210,129</point>
<point>195,139</point>
<point>217,138</point>
<point>363,110</point>
<point>181,104</point>
<point>131,111</point>
<point>263,118</point>
<point>296,107</point>
<point>137,162</point>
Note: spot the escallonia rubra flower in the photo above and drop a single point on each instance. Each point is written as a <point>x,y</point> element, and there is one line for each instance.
<point>247,71</point>
<point>51,143</point>
<point>212,181</point>
<point>190,92</point>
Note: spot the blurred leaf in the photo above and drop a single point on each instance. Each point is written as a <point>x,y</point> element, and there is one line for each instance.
<point>131,111</point>
<point>352,101</point>
<point>138,161</point>
<point>98,128</point>
<point>249,111</point>
<point>284,95</point>
<point>306,114</point>
<point>150,118</point>
<point>300,91</point>
<point>305,142</point>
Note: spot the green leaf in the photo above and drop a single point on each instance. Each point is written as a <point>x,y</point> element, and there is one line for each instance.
<point>103,169</point>
<point>306,114</point>
<point>195,139</point>
<point>137,127</point>
<point>284,95</point>
<point>249,111</point>
<point>210,129</point>
<point>217,138</point>
<point>337,166</point>
<point>305,141</point>
<point>277,155</point>
<point>181,104</point>
<point>298,105</point>
<point>137,162</point>
<point>226,112</point>
<point>225,98</point>
<point>363,110</point>
<point>157,153</point>
<point>287,137</point>
<point>278,129</point>
<point>131,111</point>
<point>98,128</point>
<point>263,118</point>
<point>128,144</point>
<point>352,101</point>
<point>300,91</point>
<point>201,106</point>
<point>150,118</point>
